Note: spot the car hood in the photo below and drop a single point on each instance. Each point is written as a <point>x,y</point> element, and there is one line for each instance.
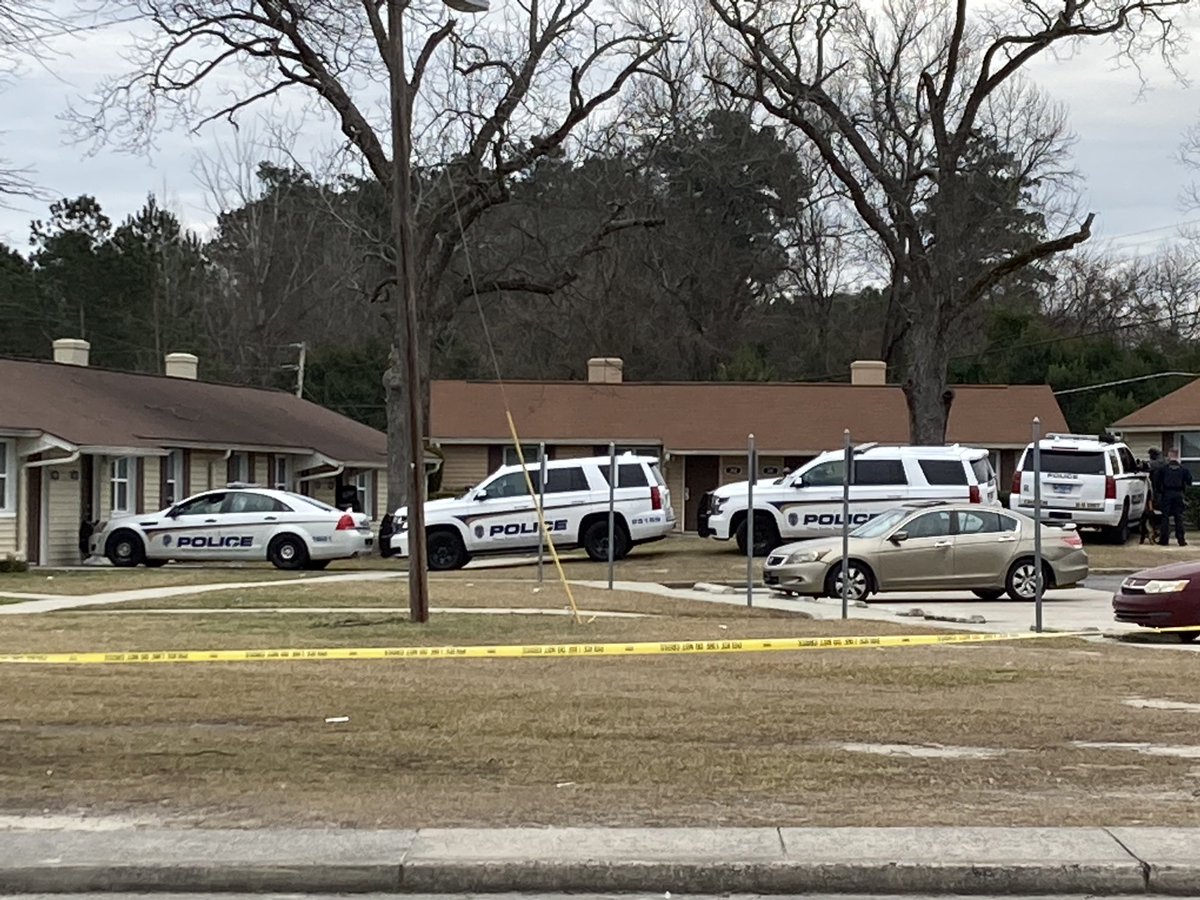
<point>1171,572</point>
<point>434,505</point>
<point>740,488</point>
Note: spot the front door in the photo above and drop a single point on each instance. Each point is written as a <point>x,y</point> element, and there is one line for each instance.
<point>192,532</point>
<point>984,546</point>
<point>33,516</point>
<point>924,559</point>
<point>701,474</point>
<point>503,516</point>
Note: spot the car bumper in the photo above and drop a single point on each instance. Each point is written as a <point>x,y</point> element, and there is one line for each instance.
<point>346,545</point>
<point>1106,514</point>
<point>398,544</point>
<point>1070,569</point>
<point>1158,610</point>
<point>800,578</point>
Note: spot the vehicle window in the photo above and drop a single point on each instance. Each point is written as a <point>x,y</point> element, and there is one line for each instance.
<point>510,485</point>
<point>243,502</point>
<point>1114,462</point>
<point>943,471</point>
<point>827,474</point>
<point>1008,523</point>
<point>878,471</point>
<point>658,476</point>
<point>929,525</point>
<point>561,480</point>
<point>978,522</point>
<point>982,467</point>
<point>881,524</point>
<point>1128,463</point>
<point>628,475</point>
<point>1067,462</point>
<point>204,505</point>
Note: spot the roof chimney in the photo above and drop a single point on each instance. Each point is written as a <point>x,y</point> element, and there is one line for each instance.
<point>869,372</point>
<point>605,369</point>
<point>71,351</point>
<point>181,365</point>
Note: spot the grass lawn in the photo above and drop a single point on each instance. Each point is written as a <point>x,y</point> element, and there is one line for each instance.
<point>77,582</point>
<point>723,740</point>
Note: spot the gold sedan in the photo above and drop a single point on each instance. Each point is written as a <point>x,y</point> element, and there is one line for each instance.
<point>933,547</point>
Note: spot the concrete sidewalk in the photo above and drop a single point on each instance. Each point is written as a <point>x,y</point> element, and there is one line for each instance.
<point>878,861</point>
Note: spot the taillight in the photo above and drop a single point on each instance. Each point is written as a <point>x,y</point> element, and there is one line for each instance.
<point>346,523</point>
<point>975,495</point>
<point>1016,486</point>
<point>1110,488</point>
<point>655,498</point>
<point>1072,539</point>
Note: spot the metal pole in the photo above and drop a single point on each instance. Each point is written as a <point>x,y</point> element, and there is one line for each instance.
<point>406,292</point>
<point>752,467</point>
<point>612,503</point>
<point>300,368</point>
<point>541,504</point>
<point>1037,523</point>
<point>847,459</point>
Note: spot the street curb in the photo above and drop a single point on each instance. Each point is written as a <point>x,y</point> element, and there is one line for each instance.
<point>872,861</point>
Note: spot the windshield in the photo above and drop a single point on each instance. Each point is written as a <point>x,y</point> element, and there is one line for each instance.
<point>881,524</point>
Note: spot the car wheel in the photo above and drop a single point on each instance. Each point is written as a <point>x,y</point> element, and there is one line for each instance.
<point>444,550</point>
<point>316,565</point>
<point>595,541</point>
<point>766,535</point>
<point>989,594</point>
<point>1186,637</point>
<point>125,550</point>
<point>861,581</point>
<point>1119,533</point>
<point>1021,583</point>
<point>288,552</point>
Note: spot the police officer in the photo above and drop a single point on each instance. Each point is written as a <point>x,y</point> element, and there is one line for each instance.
<point>1155,462</point>
<point>1170,484</point>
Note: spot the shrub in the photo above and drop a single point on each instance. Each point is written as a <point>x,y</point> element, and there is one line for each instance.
<point>13,562</point>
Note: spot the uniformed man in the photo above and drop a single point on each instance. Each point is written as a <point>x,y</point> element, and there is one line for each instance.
<point>1170,484</point>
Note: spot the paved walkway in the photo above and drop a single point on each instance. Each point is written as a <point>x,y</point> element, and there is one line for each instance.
<point>663,861</point>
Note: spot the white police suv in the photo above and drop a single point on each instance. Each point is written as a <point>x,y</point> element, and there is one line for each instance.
<point>499,516</point>
<point>237,523</point>
<point>808,503</point>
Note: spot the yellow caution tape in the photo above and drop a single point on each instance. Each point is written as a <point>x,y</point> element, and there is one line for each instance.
<point>526,651</point>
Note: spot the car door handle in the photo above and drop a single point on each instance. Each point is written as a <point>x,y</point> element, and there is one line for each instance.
<point>1005,540</point>
<point>941,545</point>
<point>270,519</point>
<point>210,521</point>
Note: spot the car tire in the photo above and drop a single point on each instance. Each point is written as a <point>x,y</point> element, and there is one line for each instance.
<point>1020,584</point>
<point>766,535</point>
<point>316,565</point>
<point>444,550</point>
<point>862,581</point>
<point>989,594</point>
<point>1119,533</point>
<point>125,549</point>
<point>595,541</point>
<point>1186,637</point>
<point>288,552</point>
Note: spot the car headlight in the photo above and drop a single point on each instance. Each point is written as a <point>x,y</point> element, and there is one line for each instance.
<point>717,503</point>
<point>805,556</point>
<point>1166,587</point>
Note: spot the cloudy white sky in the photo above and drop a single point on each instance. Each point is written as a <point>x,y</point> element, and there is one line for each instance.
<point>1127,149</point>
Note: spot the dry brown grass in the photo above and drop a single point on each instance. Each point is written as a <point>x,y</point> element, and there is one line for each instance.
<point>746,739</point>
<point>1134,555</point>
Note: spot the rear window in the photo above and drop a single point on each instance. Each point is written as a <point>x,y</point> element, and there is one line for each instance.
<point>311,502</point>
<point>1068,462</point>
<point>983,470</point>
<point>943,471</point>
<point>560,481</point>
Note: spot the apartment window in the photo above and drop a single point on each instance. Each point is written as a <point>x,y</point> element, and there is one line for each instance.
<point>281,473</point>
<point>529,450</point>
<point>1189,448</point>
<point>8,478</point>
<point>120,489</point>
<point>364,485</point>
<point>172,477</point>
<point>239,468</point>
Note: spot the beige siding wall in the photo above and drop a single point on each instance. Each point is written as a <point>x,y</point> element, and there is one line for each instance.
<point>1140,442</point>
<point>63,512</point>
<point>673,472</point>
<point>8,535</point>
<point>205,478</point>
<point>381,495</point>
<point>262,470</point>
<point>323,489</point>
<point>12,522</point>
<point>465,466</point>
<point>739,463</point>
<point>152,489</point>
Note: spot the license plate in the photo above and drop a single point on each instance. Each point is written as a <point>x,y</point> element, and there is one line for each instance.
<point>1062,488</point>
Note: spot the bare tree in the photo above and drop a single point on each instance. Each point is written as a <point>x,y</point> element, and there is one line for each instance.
<point>487,102</point>
<point>922,114</point>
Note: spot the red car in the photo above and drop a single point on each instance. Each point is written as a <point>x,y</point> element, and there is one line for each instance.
<point>1163,597</point>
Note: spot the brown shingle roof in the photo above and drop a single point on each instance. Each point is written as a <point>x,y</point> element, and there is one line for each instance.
<point>717,416</point>
<point>90,407</point>
<point>1177,409</point>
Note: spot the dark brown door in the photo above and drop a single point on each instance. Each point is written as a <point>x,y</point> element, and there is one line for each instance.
<point>33,516</point>
<point>700,475</point>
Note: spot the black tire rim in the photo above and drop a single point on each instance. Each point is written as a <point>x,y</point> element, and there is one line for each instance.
<point>443,555</point>
<point>123,549</point>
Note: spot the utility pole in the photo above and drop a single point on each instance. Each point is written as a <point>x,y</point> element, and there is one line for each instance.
<point>405,309</point>
<point>303,345</point>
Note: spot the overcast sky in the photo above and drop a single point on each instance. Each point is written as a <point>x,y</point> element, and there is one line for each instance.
<point>1127,145</point>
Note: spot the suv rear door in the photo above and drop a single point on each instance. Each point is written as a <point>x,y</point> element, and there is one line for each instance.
<point>1072,477</point>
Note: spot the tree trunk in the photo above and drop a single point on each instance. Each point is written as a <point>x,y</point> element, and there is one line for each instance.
<point>396,401</point>
<point>924,349</point>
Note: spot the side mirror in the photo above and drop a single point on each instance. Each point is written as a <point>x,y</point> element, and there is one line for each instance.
<point>173,512</point>
<point>481,495</point>
<point>899,537</point>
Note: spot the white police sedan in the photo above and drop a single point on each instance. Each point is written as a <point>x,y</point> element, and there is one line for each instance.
<point>237,523</point>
